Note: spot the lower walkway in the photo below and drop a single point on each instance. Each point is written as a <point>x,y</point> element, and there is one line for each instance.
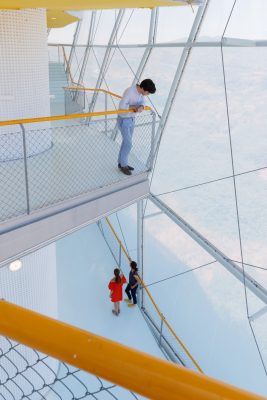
<point>85,267</point>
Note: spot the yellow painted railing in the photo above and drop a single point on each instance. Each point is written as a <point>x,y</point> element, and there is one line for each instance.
<point>153,301</point>
<point>65,117</point>
<point>151,377</point>
<point>93,90</point>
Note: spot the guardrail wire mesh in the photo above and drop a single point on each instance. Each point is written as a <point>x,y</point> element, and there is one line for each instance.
<point>29,374</point>
<point>79,158</point>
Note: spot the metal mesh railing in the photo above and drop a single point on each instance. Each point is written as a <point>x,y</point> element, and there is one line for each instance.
<point>28,374</point>
<point>45,166</point>
<point>74,101</point>
<point>167,339</point>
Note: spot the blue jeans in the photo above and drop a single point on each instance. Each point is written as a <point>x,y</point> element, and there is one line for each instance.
<point>126,127</point>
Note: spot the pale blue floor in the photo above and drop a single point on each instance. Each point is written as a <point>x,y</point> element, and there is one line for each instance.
<point>85,267</point>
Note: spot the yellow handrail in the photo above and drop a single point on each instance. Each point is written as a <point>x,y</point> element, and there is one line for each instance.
<point>63,117</point>
<point>154,304</point>
<point>93,90</point>
<point>151,377</point>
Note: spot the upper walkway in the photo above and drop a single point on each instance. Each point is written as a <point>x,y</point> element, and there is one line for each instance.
<point>60,173</point>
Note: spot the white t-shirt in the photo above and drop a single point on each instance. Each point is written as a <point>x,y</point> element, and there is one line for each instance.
<point>131,97</point>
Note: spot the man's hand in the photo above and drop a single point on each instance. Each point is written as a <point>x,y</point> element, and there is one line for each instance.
<point>140,109</point>
<point>137,108</point>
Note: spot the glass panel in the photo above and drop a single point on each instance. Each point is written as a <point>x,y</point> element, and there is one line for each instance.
<point>247,105</point>
<point>195,144</point>
<point>135,26</point>
<point>215,20</point>
<point>248,20</point>
<point>161,68</point>
<point>62,35</point>
<point>174,23</point>
<point>103,26</point>
<point>200,304</point>
<point>245,22</point>
<point>122,68</point>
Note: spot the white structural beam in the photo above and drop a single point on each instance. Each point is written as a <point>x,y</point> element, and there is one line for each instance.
<point>226,42</point>
<point>237,271</point>
<point>258,314</point>
<point>151,41</point>
<point>26,234</point>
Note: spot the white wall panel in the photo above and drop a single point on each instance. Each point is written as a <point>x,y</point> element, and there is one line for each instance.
<point>24,79</point>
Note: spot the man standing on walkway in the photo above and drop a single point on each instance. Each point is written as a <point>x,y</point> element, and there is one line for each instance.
<point>132,285</point>
<point>133,98</point>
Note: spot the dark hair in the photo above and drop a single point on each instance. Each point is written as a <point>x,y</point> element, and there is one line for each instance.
<point>133,265</point>
<point>117,275</point>
<point>148,85</point>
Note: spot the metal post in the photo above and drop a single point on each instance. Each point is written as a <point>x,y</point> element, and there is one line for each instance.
<point>150,159</point>
<point>88,46</point>
<point>161,328</point>
<point>106,117</point>
<point>25,168</point>
<point>180,70</point>
<point>74,42</point>
<point>103,68</point>
<point>140,227</point>
<point>120,257</point>
<point>151,41</point>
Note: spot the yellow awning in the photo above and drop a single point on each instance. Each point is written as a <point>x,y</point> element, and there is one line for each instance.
<point>58,18</point>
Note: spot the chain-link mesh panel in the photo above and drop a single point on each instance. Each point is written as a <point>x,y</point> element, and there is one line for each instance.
<point>162,331</point>
<point>29,374</point>
<point>74,101</point>
<point>83,157</point>
<point>12,175</point>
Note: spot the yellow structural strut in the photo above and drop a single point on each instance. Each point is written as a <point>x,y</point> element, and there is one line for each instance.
<point>151,377</point>
<point>154,303</point>
<point>63,117</point>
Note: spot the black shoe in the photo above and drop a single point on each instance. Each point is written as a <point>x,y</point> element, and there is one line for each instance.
<point>125,170</point>
<point>129,167</point>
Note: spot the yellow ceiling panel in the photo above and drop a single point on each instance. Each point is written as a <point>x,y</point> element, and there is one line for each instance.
<point>87,4</point>
<point>58,18</point>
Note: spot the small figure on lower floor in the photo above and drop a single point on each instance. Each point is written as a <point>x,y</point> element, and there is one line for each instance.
<point>115,287</point>
<point>132,285</point>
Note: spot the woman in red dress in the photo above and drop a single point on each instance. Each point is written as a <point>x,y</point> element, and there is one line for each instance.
<point>115,287</point>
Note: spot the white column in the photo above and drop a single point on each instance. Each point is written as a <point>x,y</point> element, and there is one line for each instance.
<point>24,80</point>
<point>34,287</point>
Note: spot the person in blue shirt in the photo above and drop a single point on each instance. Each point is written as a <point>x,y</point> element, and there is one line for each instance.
<point>133,98</point>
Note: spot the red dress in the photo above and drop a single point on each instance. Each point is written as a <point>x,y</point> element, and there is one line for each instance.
<point>116,289</point>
